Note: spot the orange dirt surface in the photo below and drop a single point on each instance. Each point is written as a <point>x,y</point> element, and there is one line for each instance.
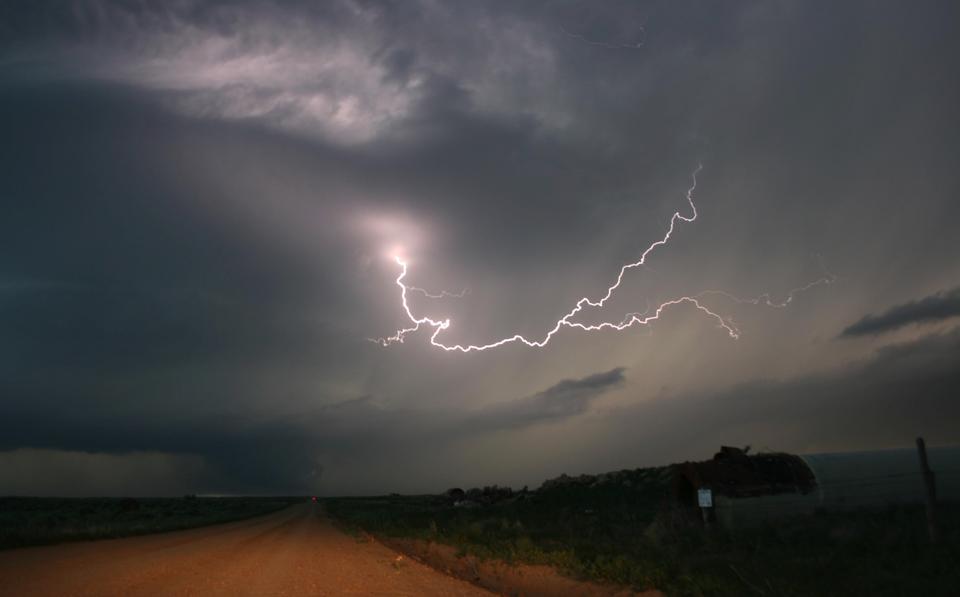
<point>295,551</point>
<point>509,579</point>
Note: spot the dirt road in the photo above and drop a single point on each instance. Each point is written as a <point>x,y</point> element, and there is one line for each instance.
<point>292,552</point>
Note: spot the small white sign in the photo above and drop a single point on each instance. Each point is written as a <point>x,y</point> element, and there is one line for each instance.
<point>705,498</point>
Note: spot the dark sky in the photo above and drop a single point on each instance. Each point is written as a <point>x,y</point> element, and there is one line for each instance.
<point>199,202</point>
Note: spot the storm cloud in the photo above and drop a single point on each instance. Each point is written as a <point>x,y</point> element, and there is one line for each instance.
<point>244,454</point>
<point>936,307</point>
<point>199,202</point>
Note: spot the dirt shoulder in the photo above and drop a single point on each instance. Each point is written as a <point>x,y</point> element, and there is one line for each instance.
<point>502,577</point>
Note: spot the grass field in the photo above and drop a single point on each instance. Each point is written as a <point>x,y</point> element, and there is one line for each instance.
<point>35,521</point>
<point>624,533</point>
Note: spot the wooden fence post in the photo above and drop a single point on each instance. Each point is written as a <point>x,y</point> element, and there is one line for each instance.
<point>930,490</point>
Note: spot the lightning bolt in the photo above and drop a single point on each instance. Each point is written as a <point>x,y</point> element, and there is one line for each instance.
<point>441,294</point>
<point>567,320</point>
<point>768,300</point>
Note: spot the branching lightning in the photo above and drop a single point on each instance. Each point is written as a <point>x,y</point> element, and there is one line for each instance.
<point>767,299</point>
<point>645,318</point>
<point>439,295</point>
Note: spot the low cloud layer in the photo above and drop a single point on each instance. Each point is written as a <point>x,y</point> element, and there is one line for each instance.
<point>280,454</point>
<point>937,307</point>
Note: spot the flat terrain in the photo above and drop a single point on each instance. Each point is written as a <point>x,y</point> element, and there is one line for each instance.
<point>28,521</point>
<point>295,551</point>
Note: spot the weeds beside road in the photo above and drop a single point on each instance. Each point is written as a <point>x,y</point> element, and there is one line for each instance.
<point>623,533</point>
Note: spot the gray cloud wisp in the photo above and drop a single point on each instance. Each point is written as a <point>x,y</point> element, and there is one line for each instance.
<point>563,400</point>
<point>937,307</point>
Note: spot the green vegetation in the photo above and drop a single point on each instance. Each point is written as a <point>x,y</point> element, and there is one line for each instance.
<point>35,521</point>
<point>623,531</point>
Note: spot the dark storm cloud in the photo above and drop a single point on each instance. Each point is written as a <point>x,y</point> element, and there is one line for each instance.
<point>441,139</point>
<point>278,453</point>
<point>239,452</point>
<point>565,399</point>
<point>937,307</point>
<point>116,261</point>
<point>180,269</point>
<point>856,406</point>
<point>502,75</point>
<point>366,423</point>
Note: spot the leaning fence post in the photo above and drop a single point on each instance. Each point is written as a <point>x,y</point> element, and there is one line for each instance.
<point>930,490</point>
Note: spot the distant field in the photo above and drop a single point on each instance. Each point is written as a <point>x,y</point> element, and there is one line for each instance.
<point>620,530</point>
<point>35,521</point>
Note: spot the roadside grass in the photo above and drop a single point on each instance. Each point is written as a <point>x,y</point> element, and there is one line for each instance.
<point>625,534</point>
<point>28,521</point>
